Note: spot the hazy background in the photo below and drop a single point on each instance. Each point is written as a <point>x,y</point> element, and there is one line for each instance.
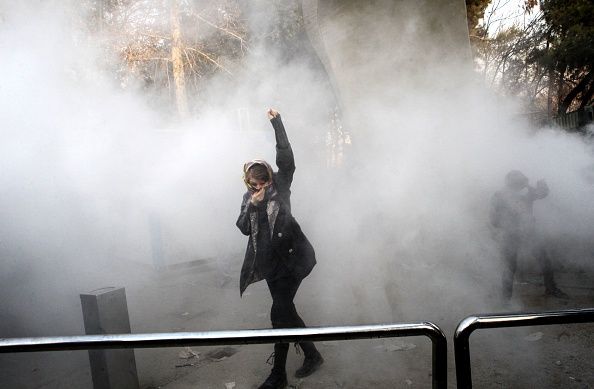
<point>400,229</point>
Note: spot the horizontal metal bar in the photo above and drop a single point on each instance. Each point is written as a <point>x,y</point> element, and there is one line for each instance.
<point>521,319</point>
<point>212,338</point>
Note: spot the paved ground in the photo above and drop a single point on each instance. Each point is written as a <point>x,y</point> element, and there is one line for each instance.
<point>202,298</point>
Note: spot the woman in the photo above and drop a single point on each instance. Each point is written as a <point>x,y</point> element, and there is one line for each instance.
<point>277,250</point>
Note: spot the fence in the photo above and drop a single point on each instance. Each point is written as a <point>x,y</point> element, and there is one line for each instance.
<point>212,338</point>
<point>471,323</point>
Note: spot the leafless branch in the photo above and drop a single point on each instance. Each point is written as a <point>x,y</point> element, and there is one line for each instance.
<point>203,54</point>
<point>227,31</point>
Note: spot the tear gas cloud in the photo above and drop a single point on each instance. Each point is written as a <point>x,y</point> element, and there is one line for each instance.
<point>87,165</point>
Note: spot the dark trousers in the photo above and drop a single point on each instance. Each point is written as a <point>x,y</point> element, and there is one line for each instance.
<point>510,247</point>
<point>284,315</point>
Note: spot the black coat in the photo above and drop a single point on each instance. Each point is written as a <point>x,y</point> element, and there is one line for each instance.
<point>287,243</point>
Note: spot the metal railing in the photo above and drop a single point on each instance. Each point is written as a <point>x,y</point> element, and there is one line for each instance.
<point>214,338</point>
<point>471,323</point>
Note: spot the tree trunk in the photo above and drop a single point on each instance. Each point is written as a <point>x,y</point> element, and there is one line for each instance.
<point>581,86</point>
<point>586,97</point>
<point>177,61</point>
<point>561,79</point>
<point>550,87</point>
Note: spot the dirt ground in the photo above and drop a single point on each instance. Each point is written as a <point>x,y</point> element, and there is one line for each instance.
<point>190,300</point>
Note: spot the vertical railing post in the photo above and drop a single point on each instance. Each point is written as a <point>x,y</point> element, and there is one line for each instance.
<point>462,352</point>
<point>440,362</point>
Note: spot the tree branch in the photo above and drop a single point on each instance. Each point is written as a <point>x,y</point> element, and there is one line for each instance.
<point>210,59</point>
<point>241,40</point>
<point>564,106</point>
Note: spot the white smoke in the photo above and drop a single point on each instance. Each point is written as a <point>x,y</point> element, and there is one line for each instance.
<point>400,231</point>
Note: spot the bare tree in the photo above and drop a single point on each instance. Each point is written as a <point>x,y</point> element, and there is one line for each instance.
<point>173,45</point>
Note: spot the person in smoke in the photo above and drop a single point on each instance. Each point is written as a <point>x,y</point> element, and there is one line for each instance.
<point>277,249</point>
<point>513,220</point>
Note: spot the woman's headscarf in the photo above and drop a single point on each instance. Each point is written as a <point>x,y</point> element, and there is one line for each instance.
<point>248,165</point>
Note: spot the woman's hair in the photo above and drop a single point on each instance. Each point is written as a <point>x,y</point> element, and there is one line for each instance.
<point>258,172</point>
<point>256,169</point>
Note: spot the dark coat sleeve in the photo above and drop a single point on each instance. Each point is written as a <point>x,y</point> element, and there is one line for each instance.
<point>243,221</point>
<point>285,160</point>
<point>539,192</point>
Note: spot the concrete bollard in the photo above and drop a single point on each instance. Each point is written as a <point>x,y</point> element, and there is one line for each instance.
<point>105,311</point>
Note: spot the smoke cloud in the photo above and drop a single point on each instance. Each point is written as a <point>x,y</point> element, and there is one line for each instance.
<point>88,170</point>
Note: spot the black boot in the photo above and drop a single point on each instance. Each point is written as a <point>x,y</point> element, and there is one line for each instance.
<point>275,380</point>
<point>310,365</point>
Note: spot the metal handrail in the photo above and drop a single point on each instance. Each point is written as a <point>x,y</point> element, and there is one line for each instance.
<point>522,319</point>
<point>214,338</point>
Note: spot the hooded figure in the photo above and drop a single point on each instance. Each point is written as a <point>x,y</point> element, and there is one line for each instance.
<point>277,250</point>
<point>512,217</point>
